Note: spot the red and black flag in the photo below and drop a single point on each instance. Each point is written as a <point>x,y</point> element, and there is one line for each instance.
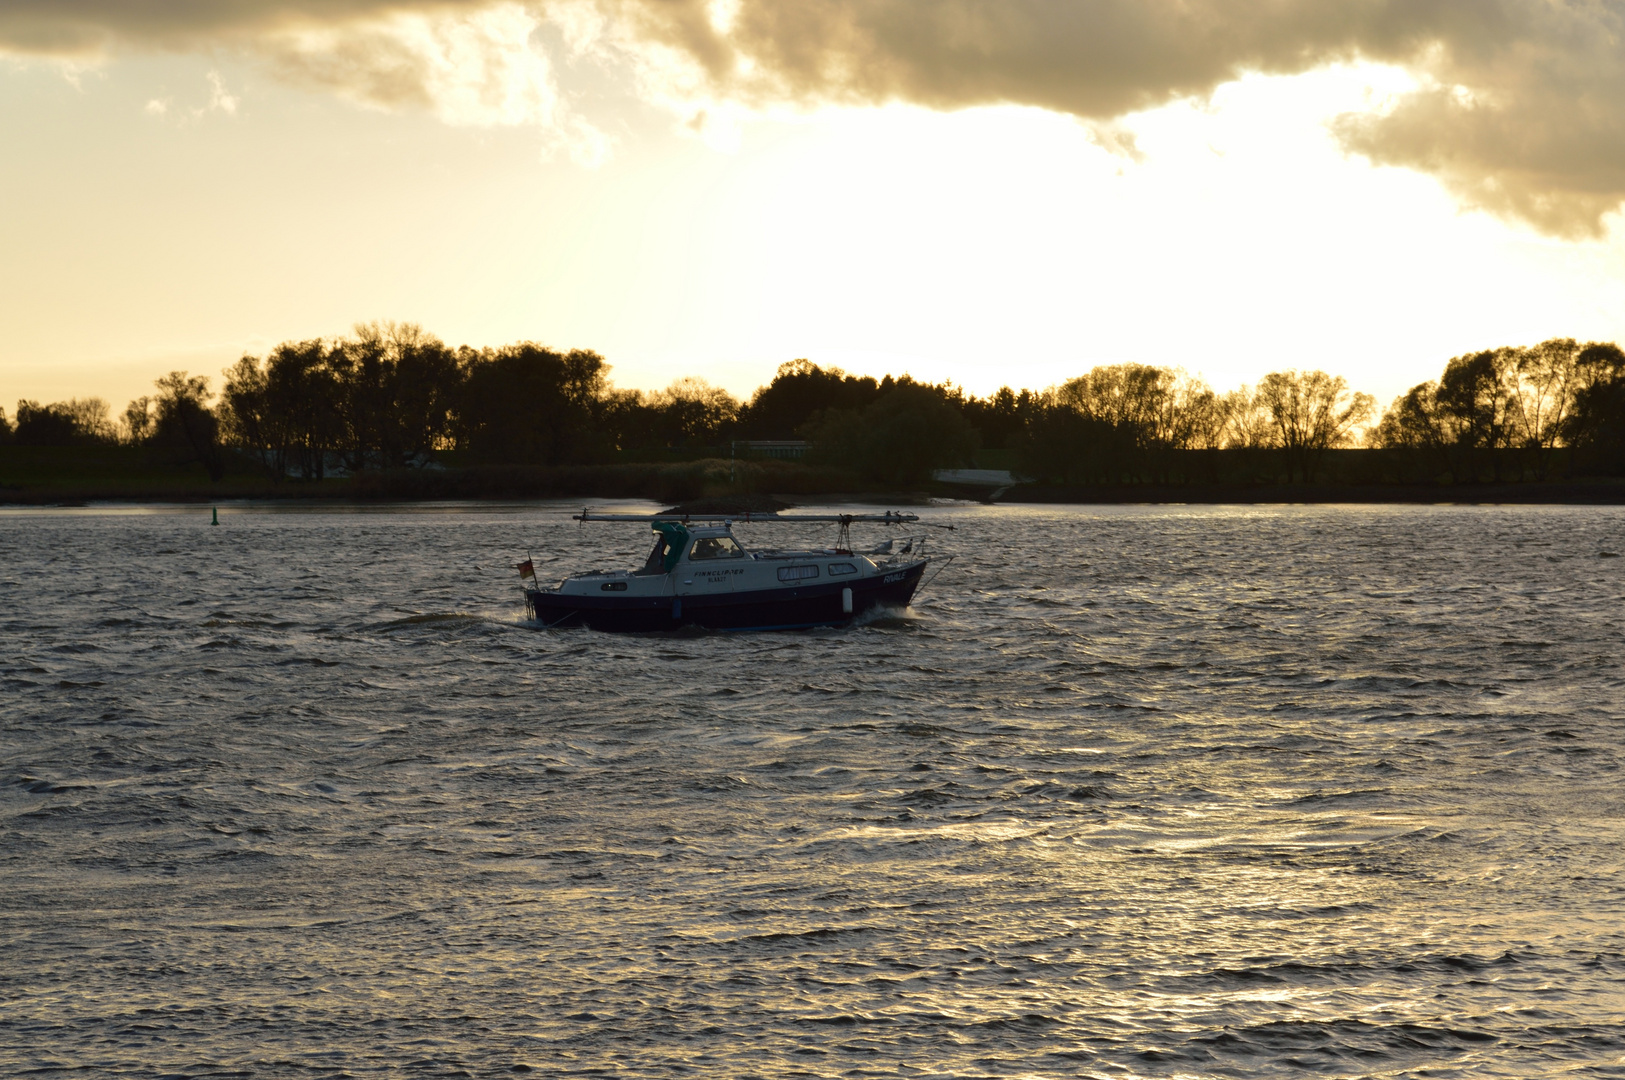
<point>526,570</point>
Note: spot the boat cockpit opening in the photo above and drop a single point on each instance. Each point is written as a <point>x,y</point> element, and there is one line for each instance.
<point>656,562</point>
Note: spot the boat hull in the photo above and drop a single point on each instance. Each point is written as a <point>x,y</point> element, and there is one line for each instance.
<point>794,608</point>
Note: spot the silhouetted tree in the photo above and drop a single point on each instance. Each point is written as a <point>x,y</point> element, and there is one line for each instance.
<point>1414,424</point>
<point>1311,412</point>
<point>625,421</point>
<point>286,411</point>
<point>79,422</point>
<point>247,420</point>
<point>1474,395</point>
<point>1063,446</point>
<point>1001,417</point>
<point>528,403</point>
<point>185,423</point>
<point>44,425</point>
<point>1501,406</point>
<point>1412,421</point>
<point>799,390</point>
<point>136,425</point>
<point>1545,378</point>
<point>393,394</point>
<point>1596,425</point>
<point>1200,419</point>
<point>1247,421</point>
<point>1126,396</point>
<point>692,412</point>
<point>5,428</point>
<point>898,439</point>
<point>1205,421</point>
<point>1122,423</point>
<point>1125,401</point>
<point>397,389</point>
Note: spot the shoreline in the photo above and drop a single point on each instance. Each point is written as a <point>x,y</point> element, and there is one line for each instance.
<point>38,476</point>
<point>1602,492</point>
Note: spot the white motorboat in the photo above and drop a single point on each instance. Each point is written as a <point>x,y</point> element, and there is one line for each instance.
<point>700,574</point>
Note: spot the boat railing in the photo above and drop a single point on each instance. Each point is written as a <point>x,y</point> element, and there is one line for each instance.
<point>889,517</point>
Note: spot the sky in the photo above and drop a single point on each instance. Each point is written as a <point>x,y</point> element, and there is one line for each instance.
<point>990,193</point>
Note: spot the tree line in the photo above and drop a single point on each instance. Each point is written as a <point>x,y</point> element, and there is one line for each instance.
<point>1514,412</point>
<point>393,396</point>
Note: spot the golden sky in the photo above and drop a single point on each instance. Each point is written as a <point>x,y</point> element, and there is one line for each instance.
<point>990,192</point>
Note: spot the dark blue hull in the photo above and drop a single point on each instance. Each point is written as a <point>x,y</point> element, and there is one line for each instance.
<point>795,608</point>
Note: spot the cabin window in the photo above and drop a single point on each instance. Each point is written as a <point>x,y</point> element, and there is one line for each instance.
<point>836,569</point>
<point>613,586</point>
<point>715,547</point>
<point>797,573</point>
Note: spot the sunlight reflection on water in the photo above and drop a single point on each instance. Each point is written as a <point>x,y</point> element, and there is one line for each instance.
<point>1129,791</point>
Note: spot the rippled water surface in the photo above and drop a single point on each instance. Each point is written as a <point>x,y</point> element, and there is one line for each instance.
<point>1128,792</point>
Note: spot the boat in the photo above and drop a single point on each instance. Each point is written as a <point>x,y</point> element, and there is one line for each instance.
<point>700,574</point>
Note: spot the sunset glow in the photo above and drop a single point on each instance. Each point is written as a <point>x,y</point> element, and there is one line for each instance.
<point>178,196</point>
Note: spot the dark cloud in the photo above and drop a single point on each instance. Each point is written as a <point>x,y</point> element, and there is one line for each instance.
<point>1520,108</point>
<point>1528,125</point>
<point>75,27</point>
<point>1520,111</point>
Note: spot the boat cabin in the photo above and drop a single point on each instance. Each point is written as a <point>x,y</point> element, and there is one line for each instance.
<point>699,572</point>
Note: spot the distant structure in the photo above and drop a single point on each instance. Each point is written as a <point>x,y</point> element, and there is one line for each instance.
<point>987,485</point>
<point>784,449</point>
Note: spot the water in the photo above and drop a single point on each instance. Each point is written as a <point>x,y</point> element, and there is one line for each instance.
<point>1128,792</point>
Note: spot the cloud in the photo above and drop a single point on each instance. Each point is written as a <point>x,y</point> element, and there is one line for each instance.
<point>470,63</point>
<point>473,68</point>
<point>220,100</point>
<point>1519,107</point>
<point>1529,125</point>
<point>1519,110</point>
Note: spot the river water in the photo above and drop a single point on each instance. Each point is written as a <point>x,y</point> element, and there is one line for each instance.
<point>1129,791</point>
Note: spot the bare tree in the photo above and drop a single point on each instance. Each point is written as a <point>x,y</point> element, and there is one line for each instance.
<point>1248,425</point>
<point>1130,397</point>
<point>1546,378</point>
<point>137,424</point>
<point>1312,412</point>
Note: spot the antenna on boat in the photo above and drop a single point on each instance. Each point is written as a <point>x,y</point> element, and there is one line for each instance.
<point>843,536</point>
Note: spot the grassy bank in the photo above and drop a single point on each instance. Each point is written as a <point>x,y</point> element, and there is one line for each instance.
<point>52,475</point>
<point>55,475</point>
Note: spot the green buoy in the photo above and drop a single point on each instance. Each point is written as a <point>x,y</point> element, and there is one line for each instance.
<point>216,519</point>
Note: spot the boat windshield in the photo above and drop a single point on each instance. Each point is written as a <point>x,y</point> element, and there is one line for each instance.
<point>716,547</point>
<point>656,563</point>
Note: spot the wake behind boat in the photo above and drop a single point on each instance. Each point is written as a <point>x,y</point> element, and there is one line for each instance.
<point>699,574</point>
